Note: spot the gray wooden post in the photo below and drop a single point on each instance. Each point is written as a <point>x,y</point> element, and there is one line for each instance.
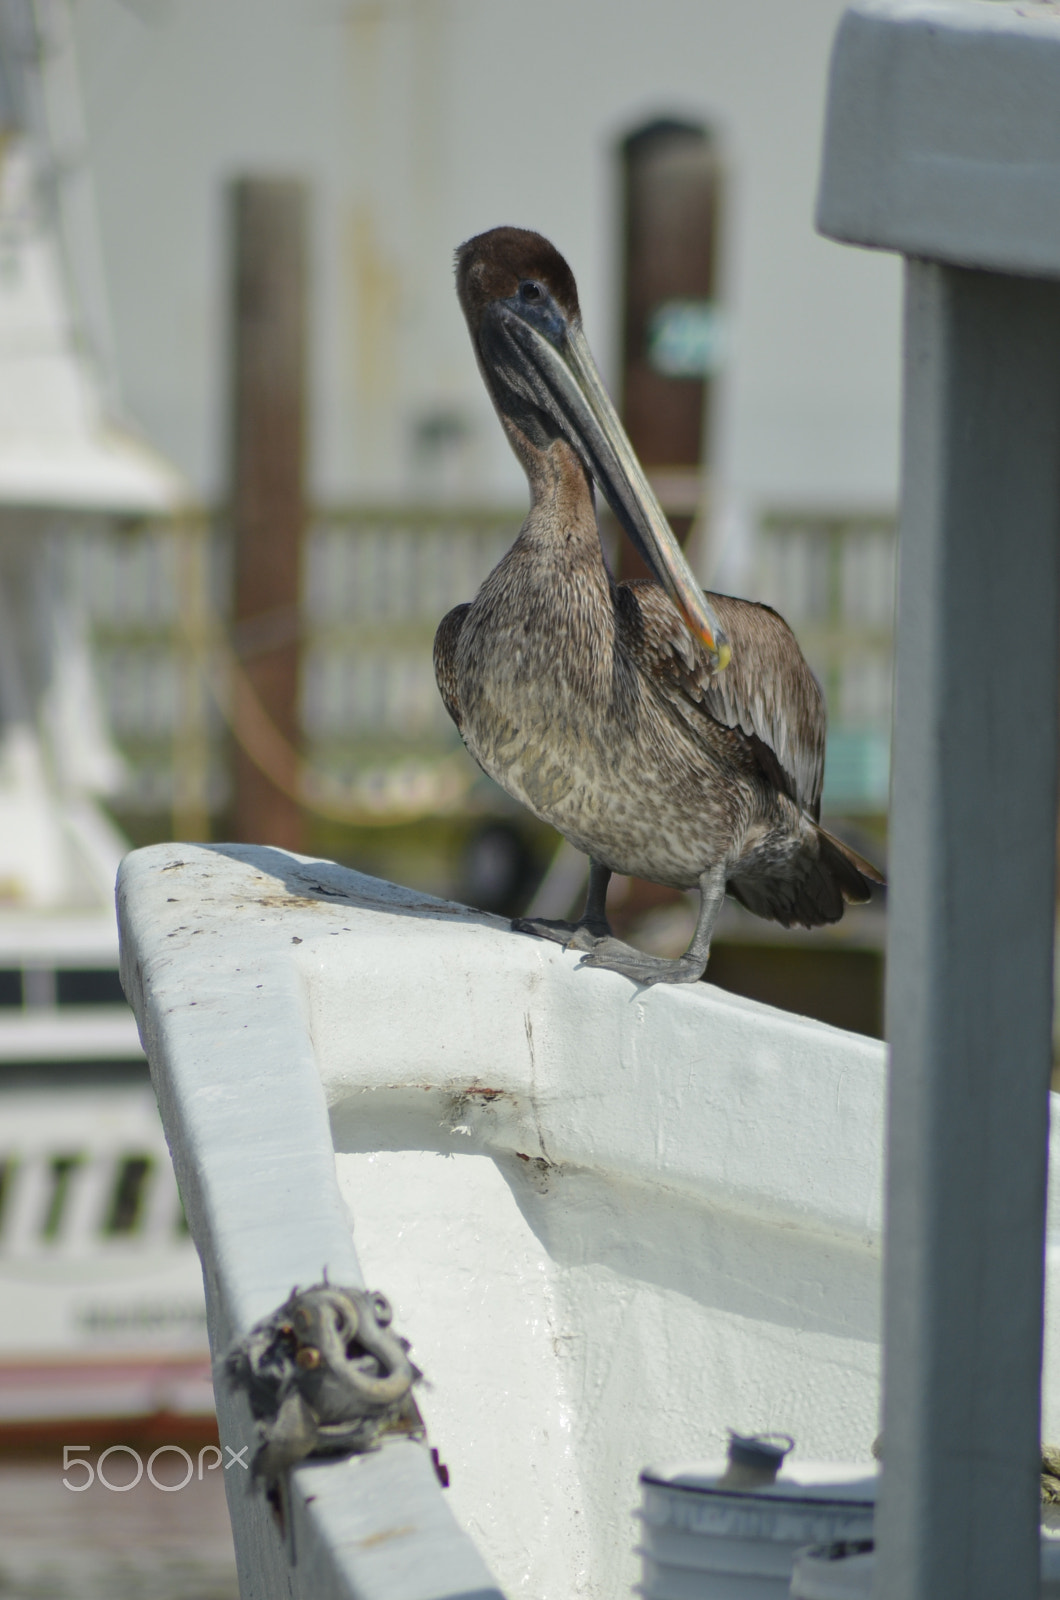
<point>969,1002</point>
<point>943,142</point>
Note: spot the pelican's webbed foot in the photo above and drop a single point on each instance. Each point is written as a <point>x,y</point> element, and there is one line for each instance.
<point>615,956</point>
<point>647,969</point>
<point>574,935</point>
<point>592,926</point>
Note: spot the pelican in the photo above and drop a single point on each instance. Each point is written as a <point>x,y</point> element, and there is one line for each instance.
<point>668,734</point>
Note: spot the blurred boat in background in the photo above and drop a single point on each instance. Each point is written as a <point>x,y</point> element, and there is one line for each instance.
<point>101,1308</point>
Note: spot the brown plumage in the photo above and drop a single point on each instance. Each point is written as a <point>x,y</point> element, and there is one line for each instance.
<point>670,735</point>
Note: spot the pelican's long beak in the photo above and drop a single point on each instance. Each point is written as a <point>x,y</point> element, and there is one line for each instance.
<point>564,381</point>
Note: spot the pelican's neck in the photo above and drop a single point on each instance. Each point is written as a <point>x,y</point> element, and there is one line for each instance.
<point>545,617</point>
<point>561,526</point>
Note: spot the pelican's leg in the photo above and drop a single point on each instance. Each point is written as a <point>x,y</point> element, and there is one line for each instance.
<point>591,926</point>
<point>644,968</point>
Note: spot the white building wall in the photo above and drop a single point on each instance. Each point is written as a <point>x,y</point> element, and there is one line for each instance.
<point>420,122</point>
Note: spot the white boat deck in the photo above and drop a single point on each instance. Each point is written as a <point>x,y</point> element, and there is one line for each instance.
<point>613,1221</point>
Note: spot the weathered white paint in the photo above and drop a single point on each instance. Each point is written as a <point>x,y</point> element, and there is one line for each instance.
<point>613,1221</point>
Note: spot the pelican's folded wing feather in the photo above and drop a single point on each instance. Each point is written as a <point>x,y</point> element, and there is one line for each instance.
<point>767,691</point>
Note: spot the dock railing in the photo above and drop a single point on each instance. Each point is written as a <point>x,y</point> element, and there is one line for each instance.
<point>376,581</point>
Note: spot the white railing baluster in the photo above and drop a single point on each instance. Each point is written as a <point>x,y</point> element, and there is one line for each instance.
<point>27,1204</point>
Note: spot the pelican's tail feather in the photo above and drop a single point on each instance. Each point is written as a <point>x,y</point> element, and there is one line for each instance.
<point>819,880</point>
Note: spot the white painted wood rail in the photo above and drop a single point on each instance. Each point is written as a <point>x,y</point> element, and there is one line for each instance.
<point>613,1221</point>
<point>943,142</point>
<point>207,947</point>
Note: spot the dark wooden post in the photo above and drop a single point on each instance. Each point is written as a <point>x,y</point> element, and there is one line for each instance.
<point>670,328</point>
<point>671,193</point>
<point>268,509</point>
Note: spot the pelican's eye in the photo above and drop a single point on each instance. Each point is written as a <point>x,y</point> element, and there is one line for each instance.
<point>531,292</point>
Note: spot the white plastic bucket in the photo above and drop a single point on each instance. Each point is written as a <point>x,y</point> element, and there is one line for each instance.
<point>835,1574</point>
<point>700,1541</point>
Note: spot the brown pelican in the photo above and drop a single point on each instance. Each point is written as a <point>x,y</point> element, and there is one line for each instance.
<point>671,735</point>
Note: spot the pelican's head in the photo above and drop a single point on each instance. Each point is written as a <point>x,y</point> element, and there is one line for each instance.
<point>521,303</point>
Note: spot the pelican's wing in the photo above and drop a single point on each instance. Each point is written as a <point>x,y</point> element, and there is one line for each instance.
<point>445,642</point>
<point>767,691</point>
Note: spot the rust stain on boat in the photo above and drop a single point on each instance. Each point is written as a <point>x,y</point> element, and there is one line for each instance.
<point>385,1536</point>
